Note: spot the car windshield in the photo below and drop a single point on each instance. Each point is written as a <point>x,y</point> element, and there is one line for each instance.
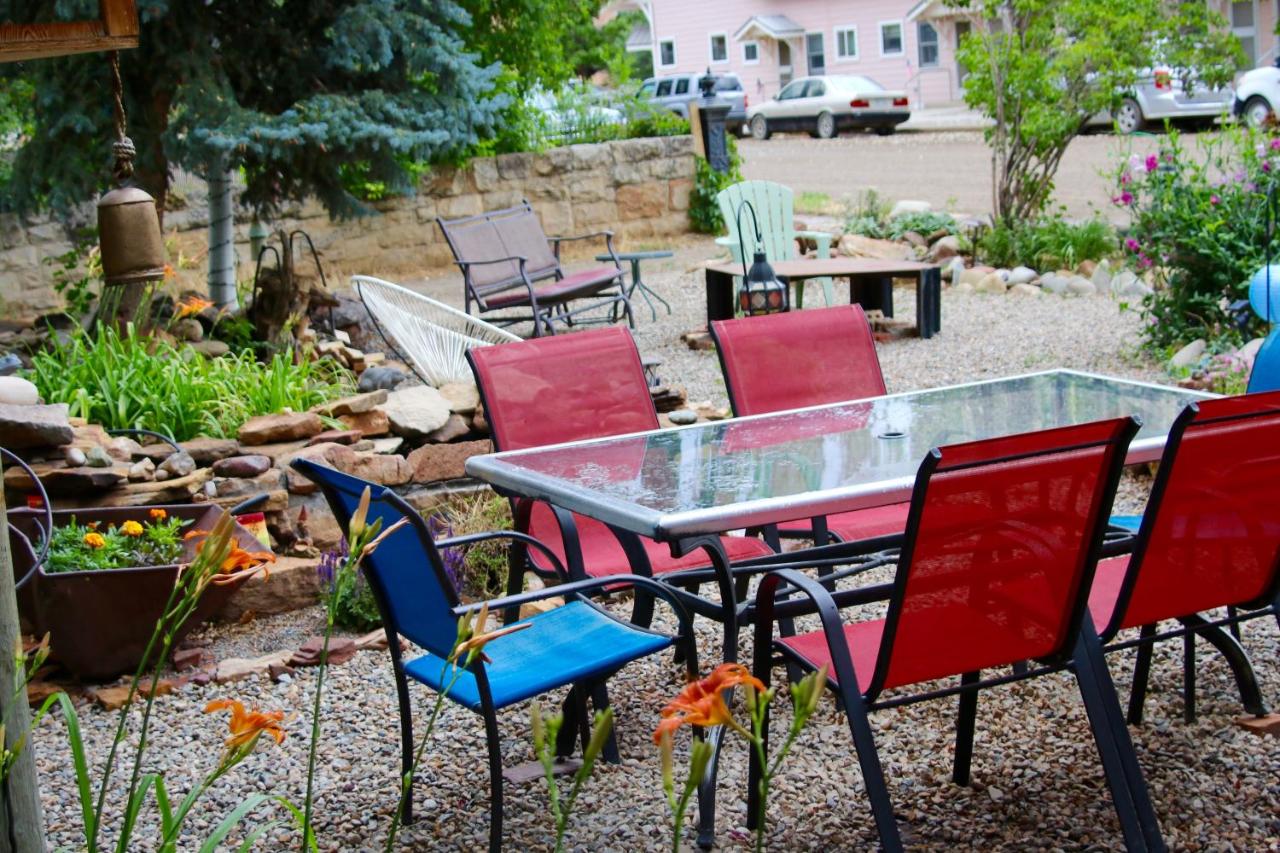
<point>856,83</point>
<point>728,83</point>
<point>648,88</point>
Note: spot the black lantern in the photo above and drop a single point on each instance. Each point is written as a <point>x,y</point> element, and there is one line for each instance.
<point>762,291</point>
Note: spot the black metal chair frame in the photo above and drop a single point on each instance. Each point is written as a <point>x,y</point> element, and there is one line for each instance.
<point>1226,642</point>
<point>577,721</point>
<point>1081,654</point>
<point>553,310</point>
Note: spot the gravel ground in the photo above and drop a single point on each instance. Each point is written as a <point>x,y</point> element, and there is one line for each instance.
<point>1036,779</point>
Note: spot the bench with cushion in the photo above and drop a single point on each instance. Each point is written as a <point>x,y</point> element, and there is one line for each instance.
<point>508,262</point>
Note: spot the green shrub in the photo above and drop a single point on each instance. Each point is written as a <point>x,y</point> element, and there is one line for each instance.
<point>868,215</point>
<point>479,570</point>
<point>1048,244</point>
<point>704,210</point>
<point>354,606</point>
<point>134,382</point>
<point>1200,222</point>
<point>924,224</point>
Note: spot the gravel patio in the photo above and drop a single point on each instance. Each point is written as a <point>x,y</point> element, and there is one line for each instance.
<point>1037,782</point>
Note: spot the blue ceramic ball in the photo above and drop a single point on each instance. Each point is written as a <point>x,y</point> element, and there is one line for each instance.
<point>1264,293</point>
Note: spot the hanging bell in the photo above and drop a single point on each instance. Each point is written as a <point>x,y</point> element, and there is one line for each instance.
<point>129,233</point>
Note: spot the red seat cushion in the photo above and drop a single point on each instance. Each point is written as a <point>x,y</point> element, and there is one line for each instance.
<point>569,287</point>
<point>864,648</point>
<point>1106,590</point>
<point>602,553</point>
<point>860,523</point>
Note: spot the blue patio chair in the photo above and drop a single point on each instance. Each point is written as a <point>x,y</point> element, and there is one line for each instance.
<point>1265,375</point>
<point>578,645</point>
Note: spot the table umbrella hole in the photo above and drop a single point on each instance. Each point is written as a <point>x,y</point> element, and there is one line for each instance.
<point>892,435</point>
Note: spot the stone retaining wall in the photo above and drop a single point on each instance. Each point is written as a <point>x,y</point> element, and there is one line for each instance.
<point>637,187</point>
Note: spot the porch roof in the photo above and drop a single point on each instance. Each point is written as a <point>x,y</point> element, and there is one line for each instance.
<point>776,27</point>
<point>936,10</point>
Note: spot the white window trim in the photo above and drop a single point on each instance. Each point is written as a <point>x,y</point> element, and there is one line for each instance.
<point>836,33</point>
<point>672,63</point>
<point>711,56</point>
<point>901,30</point>
<point>746,61</point>
<point>937,45</point>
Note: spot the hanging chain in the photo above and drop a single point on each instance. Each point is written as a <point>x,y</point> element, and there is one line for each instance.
<point>123,146</point>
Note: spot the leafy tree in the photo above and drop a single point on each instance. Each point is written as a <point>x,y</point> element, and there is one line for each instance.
<point>1040,69</point>
<point>298,94</point>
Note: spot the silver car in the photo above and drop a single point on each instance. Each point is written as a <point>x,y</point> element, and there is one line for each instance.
<point>1160,95</point>
<point>676,91</point>
<point>826,105</point>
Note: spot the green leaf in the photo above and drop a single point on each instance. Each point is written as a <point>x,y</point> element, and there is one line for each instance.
<point>239,813</point>
<point>78,762</point>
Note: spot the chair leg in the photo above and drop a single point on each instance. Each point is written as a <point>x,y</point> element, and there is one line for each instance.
<point>855,711</point>
<point>1141,674</point>
<point>1119,762</point>
<point>1189,677</point>
<point>1238,659</point>
<point>572,710</point>
<point>599,702</point>
<point>495,778</point>
<point>965,724</point>
<point>1232,613</point>
<point>406,736</point>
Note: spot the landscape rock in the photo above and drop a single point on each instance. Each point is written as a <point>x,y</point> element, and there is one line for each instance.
<point>456,427</point>
<point>74,457</point>
<point>1189,355</point>
<point>681,417</point>
<point>283,426</point>
<point>435,462</point>
<point>1024,289</point>
<point>383,469</point>
<point>945,248</point>
<point>390,444</point>
<point>915,238</point>
<point>38,425</point>
<point>463,397</point>
<point>211,348</point>
<point>368,424</point>
<point>479,422</point>
<point>356,405</point>
<point>238,669</point>
<point>858,246</point>
<point>1249,351</point>
<point>76,482</point>
<point>142,471</point>
<point>336,436</point>
<point>909,206</point>
<point>178,464</point>
<point>1081,286</point>
<point>973,275</point>
<point>122,448</point>
<point>1022,275</point>
<point>1101,276</point>
<point>953,269</point>
<point>1086,268</point>
<point>341,650</point>
<point>98,457</point>
<point>1054,283</point>
<point>1126,283</point>
<point>241,466</point>
<point>415,413</point>
<point>187,329</point>
<point>205,451</point>
<point>382,377</point>
<point>991,283</point>
<point>16,391</point>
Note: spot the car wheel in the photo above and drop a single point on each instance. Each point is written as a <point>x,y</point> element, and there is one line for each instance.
<point>1129,117</point>
<point>760,128</point>
<point>1256,111</point>
<point>885,131</point>
<point>826,126</point>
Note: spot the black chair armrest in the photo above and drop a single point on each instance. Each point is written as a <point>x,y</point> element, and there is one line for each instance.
<point>567,239</point>
<point>472,538</point>
<point>521,259</point>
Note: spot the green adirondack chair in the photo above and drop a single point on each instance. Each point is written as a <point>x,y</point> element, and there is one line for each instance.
<point>775,211</point>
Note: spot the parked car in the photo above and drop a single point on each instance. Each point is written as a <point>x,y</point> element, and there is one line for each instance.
<point>1160,94</point>
<point>1257,95</point>
<point>826,105</point>
<point>675,91</point>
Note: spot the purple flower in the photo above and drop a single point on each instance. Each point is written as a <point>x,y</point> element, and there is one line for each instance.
<point>1275,144</point>
<point>1266,166</point>
<point>1240,176</point>
<point>1145,261</point>
<point>1125,178</point>
<point>454,559</point>
<point>1213,199</point>
<point>1131,244</point>
<point>330,562</point>
<point>1125,198</point>
<point>1153,162</point>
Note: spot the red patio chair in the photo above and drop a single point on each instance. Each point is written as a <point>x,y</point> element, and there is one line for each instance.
<point>1001,542</point>
<point>572,387</point>
<point>1210,538</point>
<point>798,359</point>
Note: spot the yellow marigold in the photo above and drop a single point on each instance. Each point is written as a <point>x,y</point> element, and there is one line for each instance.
<point>131,528</point>
<point>158,515</point>
<point>94,540</point>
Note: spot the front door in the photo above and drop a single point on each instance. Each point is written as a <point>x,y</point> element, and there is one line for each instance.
<point>784,64</point>
<point>815,54</point>
<point>962,30</point>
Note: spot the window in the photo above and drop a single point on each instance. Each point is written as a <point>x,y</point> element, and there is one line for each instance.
<point>816,89</point>
<point>891,38</point>
<point>1244,27</point>
<point>682,86</point>
<point>815,53</point>
<point>846,43</point>
<point>927,37</point>
<point>719,47</point>
<point>728,83</point>
<point>664,88</point>
<point>751,52</point>
<point>792,91</point>
<point>647,90</point>
<point>666,52</point>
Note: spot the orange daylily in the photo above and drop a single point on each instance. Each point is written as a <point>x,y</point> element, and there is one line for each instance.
<point>471,644</point>
<point>237,559</point>
<point>192,305</point>
<point>701,703</point>
<point>247,725</point>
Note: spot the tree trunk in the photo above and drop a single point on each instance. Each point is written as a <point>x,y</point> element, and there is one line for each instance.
<point>21,821</point>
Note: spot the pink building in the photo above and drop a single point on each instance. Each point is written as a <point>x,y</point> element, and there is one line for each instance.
<point>902,44</point>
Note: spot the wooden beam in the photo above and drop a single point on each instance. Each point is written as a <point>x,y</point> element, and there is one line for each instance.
<point>117,29</point>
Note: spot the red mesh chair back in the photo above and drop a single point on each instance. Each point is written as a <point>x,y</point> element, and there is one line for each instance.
<point>1211,534</point>
<point>798,358</point>
<point>565,388</point>
<point>1001,545</point>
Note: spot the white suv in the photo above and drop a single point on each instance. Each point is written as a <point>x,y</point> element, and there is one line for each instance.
<point>1257,95</point>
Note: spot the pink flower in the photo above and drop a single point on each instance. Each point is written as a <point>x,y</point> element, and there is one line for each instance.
<point>1125,198</point>
<point>1153,162</point>
<point>1131,244</point>
<point>1275,144</point>
<point>1266,166</point>
<point>1213,199</point>
<point>1125,178</point>
<point>1145,261</point>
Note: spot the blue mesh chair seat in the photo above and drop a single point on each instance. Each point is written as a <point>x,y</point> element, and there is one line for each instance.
<point>577,645</point>
<point>576,642</point>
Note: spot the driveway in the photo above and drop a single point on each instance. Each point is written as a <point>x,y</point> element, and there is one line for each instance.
<point>951,169</point>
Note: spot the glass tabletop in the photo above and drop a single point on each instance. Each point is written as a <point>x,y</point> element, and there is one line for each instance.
<point>743,472</point>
